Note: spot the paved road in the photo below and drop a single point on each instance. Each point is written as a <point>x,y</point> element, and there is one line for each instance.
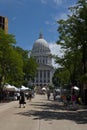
<point>41,114</point>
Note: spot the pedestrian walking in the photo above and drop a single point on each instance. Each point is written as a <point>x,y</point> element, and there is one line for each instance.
<point>64,100</point>
<point>68,99</point>
<point>30,95</point>
<point>18,96</point>
<point>22,99</point>
<point>74,100</point>
<point>48,94</point>
<point>54,95</point>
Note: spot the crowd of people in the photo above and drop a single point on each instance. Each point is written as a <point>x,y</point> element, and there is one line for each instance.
<point>67,99</point>
<point>73,98</point>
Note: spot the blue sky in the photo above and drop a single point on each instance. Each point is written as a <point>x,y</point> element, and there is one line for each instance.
<point>27,18</point>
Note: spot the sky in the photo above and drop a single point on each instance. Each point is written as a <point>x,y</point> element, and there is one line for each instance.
<point>27,18</point>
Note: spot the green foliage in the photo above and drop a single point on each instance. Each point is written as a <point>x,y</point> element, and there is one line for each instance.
<point>6,39</point>
<point>23,53</point>
<point>29,65</point>
<point>30,68</point>
<point>16,67</point>
<point>73,38</point>
<point>84,78</point>
<point>51,87</point>
<point>61,77</point>
<point>11,64</point>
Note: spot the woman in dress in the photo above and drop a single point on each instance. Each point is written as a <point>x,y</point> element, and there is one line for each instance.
<point>22,99</point>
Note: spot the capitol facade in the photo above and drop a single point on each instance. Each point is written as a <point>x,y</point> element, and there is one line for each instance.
<point>41,52</point>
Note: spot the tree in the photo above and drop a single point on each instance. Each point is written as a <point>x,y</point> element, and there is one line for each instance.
<point>15,72</point>
<point>61,77</point>
<point>73,39</point>
<point>30,69</point>
<point>6,42</point>
<point>11,63</point>
<point>29,65</point>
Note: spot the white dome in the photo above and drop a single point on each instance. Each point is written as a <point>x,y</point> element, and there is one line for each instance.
<point>41,51</point>
<point>40,45</point>
<point>41,42</point>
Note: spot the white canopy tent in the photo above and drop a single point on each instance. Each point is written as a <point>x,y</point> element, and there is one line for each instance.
<point>16,89</point>
<point>23,88</point>
<point>8,87</point>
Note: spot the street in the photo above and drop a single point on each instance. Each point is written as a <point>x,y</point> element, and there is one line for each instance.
<point>41,114</point>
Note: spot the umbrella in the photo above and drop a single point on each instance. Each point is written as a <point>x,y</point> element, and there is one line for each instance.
<point>76,88</point>
<point>44,88</point>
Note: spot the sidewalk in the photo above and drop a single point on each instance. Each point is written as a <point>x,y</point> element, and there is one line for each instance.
<point>41,114</point>
<point>6,105</point>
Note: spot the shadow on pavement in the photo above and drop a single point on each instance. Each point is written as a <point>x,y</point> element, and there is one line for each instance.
<point>54,111</point>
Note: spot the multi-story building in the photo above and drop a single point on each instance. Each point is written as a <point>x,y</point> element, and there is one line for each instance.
<point>4,23</point>
<point>43,56</point>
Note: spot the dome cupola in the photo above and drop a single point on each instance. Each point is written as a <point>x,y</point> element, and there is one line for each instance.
<point>40,45</point>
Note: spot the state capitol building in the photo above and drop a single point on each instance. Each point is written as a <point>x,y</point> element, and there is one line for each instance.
<point>42,53</point>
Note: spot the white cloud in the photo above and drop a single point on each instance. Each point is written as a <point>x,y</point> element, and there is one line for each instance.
<point>55,50</point>
<point>50,23</point>
<point>14,2</point>
<point>59,16</point>
<point>47,22</point>
<point>21,2</point>
<point>52,26</point>
<point>43,1</point>
<point>7,2</point>
<point>58,2</point>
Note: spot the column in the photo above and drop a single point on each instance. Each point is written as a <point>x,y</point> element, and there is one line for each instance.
<point>39,77</point>
<point>43,77</point>
<point>46,77</point>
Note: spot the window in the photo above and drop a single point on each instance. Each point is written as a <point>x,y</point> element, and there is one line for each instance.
<point>3,27</point>
<point>41,73</point>
<point>48,81</point>
<point>36,81</point>
<point>1,20</point>
<point>37,74</point>
<point>48,73</point>
<point>40,81</point>
<point>44,81</point>
<point>38,60</point>
<point>44,73</point>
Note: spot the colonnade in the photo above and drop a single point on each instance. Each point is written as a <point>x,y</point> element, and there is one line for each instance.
<point>43,77</point>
